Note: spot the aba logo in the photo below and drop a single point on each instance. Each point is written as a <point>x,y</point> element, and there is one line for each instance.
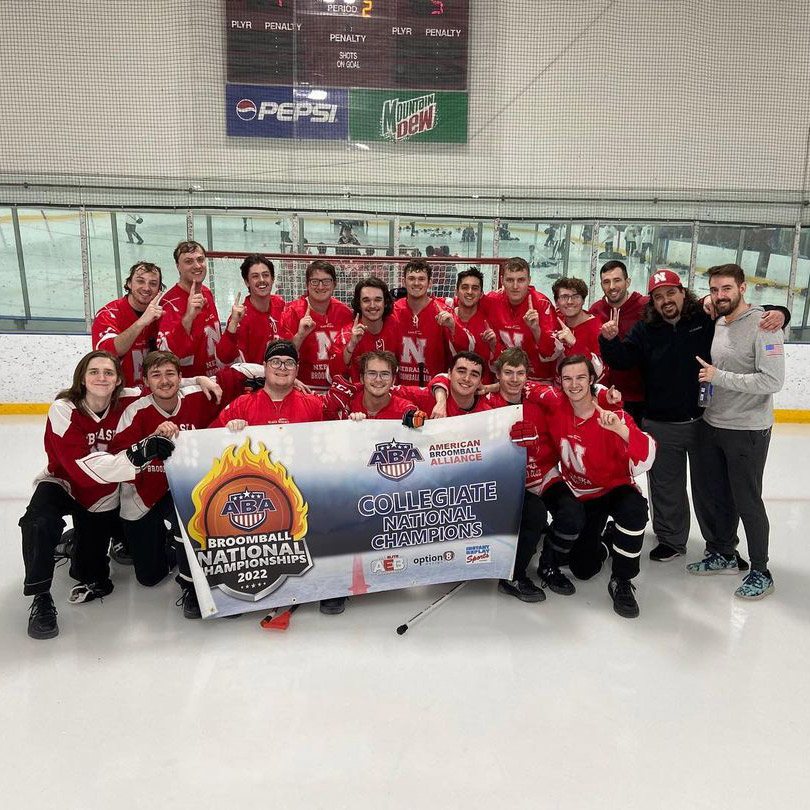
<point>247,509</point>
<point>246,109</point>
<point>394,460</point>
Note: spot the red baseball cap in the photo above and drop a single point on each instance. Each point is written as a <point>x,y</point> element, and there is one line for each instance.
<point>664,278</point>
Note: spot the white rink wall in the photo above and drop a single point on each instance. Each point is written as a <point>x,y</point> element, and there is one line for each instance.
<point>35,367</point>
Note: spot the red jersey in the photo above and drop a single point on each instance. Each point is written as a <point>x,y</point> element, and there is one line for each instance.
<point>425,350</point>
<point>395,409</point>
<point>629,314</point>
<point>197,351</point>
<point>468,338</point>
<point>594,460</point>
<point>258,409</point>
<point>511,330</point>
<point>424,399</point>
<point>255,331</point>
<point>109,323</point>
<point>388,339</point>
<point>73,439</point>
<point>587,343</point>
<point>313,353</point>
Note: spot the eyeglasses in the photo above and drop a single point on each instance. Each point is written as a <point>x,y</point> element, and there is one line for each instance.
<point>378,375</point>
<point>277,362</point>
<point>574,297</point>
<point>321,282</point>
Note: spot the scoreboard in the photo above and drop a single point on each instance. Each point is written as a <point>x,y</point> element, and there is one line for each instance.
<point>409,44</point>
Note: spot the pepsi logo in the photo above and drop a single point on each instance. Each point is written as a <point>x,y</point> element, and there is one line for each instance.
<point>246,109</point>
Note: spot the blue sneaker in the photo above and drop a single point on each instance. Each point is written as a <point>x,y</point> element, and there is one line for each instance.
<point>757,585</point>
<point>714,563</point>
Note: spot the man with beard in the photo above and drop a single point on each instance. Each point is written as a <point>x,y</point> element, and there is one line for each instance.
<point>663,347</point>
<point>747,369</point>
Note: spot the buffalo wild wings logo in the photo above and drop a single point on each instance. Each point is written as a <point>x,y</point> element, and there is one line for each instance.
<point>394,460</point>
<point>250,523</point>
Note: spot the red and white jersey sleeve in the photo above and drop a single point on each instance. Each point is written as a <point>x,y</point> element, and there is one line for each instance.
<point>197,351</point>
<point>388,339</point>
<point>254,332</point>
<point>111,321</point>
<point>587,343</point>
<point>425,348</point>
<point>258,409</point>
<point>313,353</point>
<point>468,338</point>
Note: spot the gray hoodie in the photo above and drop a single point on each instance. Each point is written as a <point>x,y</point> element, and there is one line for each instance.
<point>750,369</point>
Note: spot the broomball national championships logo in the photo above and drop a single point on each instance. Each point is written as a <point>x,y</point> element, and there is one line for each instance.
<point>404,119</point>
<point>250,523</point>
<point>394,460</point>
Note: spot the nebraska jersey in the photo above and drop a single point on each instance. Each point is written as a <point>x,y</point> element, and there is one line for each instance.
<point>254,332</point>
<point>425,351</point>
<point>197,351</point>
<point>313,353</point>
<point>511,330</point>
<point>424,399</point>
<point>587,343</point>
<point>388,339</point>
<point>73,438</point>
<point>629,382</point>
<point>594,460</point>
<point>111,321</point>
<point>259,409</point>
<point>395,409</point>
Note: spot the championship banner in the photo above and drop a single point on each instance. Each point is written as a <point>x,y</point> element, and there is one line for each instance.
<point>283,514</point>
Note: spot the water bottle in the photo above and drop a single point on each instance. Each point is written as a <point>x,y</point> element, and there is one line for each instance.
<point>704,394</point>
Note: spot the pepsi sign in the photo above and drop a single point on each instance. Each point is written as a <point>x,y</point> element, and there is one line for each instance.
<point>256,111</point>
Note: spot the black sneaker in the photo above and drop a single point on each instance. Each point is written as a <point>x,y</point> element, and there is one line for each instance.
<point>621,592</point>
<point>119,552</point>
<point>523,589</point>
<point>88,591</point>
<point>42,621</point>
<point>741,563</point>
<point>188,601</point>
<point>552,578</point>
<point>333,607</point>
<point>664,553</point>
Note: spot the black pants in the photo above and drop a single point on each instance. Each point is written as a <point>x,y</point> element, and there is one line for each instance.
<point>733,465</point>
<point>628,508</point>
<point>129,229</point>
<point>149,538</point>
<point>42,526</point>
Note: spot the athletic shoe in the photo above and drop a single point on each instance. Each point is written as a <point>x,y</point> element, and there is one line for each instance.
<point>714,563</point>
<point>188,601</point>
<point>120,553</point>
<point>65,546</point>
<point>552,578</point>
<point>664,553</point>
<point>757,585</point>
<point>741,563</point>
<point>523,589</point>
<point>42,621</point>
<point>332,607</point>
<point>621,592</point>
<point>88,591</point>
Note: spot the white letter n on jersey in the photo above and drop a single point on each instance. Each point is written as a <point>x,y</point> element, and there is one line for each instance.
<point>571,456</point>
<point>413,351</point>
<point>511,339</point>
<point>325,343</point>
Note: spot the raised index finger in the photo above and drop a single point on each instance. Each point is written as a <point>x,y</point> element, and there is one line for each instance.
<point>238,298</point>
<point>158,297</point>
<point>562,325</point>
<point>702,361</point>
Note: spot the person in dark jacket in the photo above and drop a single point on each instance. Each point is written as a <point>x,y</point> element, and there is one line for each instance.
<point>664,346</point>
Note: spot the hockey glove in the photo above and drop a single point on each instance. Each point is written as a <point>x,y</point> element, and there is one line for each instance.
<point>524,434</point>
<point>152,447</point>
<point>253,384</point>
<point>414,419</point>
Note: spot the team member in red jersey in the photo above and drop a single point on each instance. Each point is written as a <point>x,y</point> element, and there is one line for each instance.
<point>128,326</point>
<point>81,423</point>
<point>625,309</point>
<point>600,454</point>
<point>579,330</point>
<point>190,325</point>
<point>373,328</point>
<point>425,324</point>
<point>255,323</point>
<point>313,321</point>
<point>471,324</point>
<point>521,316</point>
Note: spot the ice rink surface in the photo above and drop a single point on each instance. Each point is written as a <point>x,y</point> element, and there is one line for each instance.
<point>702,702</point>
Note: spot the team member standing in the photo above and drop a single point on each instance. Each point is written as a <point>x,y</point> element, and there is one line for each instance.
<point>626,309</point>
<point>470,320</point>
<point>601,452</point>
<point>313,321</point>
<point>747,369</point>
<point>579,332</point>
<point>128,326</point>
<point>255,323</point>
<point>190,325</point>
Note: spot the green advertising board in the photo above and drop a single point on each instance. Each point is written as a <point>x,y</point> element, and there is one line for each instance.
<point>397,116</point>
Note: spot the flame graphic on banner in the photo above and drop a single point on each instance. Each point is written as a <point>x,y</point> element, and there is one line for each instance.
<point>230,474</point>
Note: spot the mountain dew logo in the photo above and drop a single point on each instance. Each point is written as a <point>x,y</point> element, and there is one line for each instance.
<point>404,119</point>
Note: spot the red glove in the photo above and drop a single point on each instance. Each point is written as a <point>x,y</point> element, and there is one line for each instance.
<point>414,419</point>
<point>339,396</point>
<point>524,434</point>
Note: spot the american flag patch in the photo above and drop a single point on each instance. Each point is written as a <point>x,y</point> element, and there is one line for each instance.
<point>774,349</point>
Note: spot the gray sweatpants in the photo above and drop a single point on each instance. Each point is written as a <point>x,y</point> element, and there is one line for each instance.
<point>733,462</point>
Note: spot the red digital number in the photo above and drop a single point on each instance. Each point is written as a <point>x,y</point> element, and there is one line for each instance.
<point>438,7</point>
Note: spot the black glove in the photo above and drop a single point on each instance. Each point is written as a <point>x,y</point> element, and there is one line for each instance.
<point>253,384</point>
<point>150,448</point>
<point>414,418</point>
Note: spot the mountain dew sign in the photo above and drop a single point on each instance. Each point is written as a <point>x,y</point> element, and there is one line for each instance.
<point>396,116</point>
